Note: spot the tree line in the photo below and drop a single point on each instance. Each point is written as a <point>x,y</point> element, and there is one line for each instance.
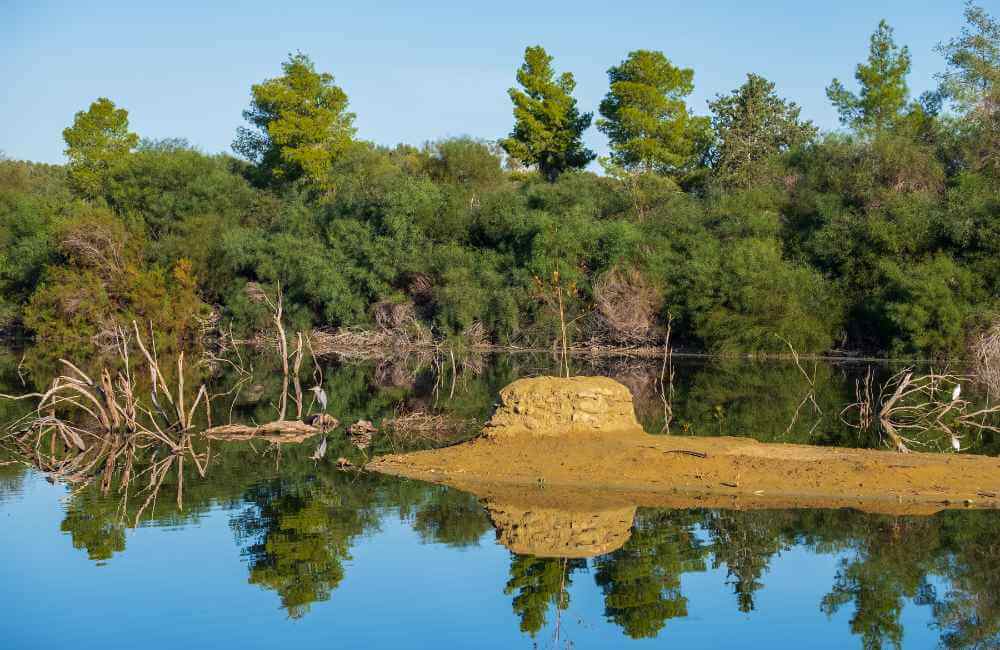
<point>741,228</point>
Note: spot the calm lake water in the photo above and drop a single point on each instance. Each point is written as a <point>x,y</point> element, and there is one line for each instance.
<point>272,549</point>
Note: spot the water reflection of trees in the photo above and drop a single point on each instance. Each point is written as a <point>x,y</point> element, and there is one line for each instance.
<point>537,584</point>
<point>296,527</point>
<point>450,517</point>
<point>296,534</point>
<point>642,580</point>
<point>745,542</point>
<point>885,563</point>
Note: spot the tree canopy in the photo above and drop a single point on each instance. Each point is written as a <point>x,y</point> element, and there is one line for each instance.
<point>299,124</point>
<point>883,90</point>
<point>646,118</point>
<point>96,145</point>
<point>735,233</point>
<point>548,126</point>
<point>753,125</point>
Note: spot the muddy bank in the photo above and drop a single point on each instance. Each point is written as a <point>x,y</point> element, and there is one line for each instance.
<point>580,437</point>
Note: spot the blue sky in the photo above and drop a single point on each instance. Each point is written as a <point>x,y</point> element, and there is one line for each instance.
<point>417,71</point>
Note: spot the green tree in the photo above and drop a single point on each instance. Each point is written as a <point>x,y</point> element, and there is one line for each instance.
<point>646,118</point>
<point>972,81</point>
<point>548,127</point>
<point>884,92</point>
<point>97,144</point>
<point>752,125</point>
<point>300,124</point>
<point>973,74</point>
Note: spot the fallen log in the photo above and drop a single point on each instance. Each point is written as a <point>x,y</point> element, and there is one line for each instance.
<point>285,431</point>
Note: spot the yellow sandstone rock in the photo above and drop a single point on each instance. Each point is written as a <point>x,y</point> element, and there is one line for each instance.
<point>555,406</point>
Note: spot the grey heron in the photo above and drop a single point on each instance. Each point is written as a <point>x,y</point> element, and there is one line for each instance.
<point>320,396</point>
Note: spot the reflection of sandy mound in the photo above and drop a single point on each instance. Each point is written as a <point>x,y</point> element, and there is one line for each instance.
<point>535,527</point>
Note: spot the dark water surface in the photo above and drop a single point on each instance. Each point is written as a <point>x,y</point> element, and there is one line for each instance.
<point>272,549</point>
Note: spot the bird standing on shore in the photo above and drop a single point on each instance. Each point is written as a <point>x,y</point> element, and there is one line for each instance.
<point>320,396</point>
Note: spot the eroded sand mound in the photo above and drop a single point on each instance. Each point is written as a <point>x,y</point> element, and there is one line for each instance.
<point>555,406</point>
<point>542,438</point>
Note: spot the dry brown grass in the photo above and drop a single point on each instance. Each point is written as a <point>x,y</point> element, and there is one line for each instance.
<point>625,309</point>
<point>985,354</point>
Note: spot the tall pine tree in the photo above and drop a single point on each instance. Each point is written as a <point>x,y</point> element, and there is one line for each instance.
<point>548,126</point>
<point>753,125</point>
<point>646,118</point>
<point>300,124</point>
<point>883,91</point>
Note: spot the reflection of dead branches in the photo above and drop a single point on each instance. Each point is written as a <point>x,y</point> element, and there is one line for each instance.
<point>810,395</point>
<point>85,429</point>
<point>115,461</point>
<point>920,410</point>
<point>667,371</point>
<point>418,428</point>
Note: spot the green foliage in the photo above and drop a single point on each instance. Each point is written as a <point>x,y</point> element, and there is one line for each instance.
<point>753,126</point>
<point>97,144</point>
<point>928,305</point>
<point>972,82</point>
<point>548,127</point>
<point>537,583</point>
<point>101,285</point>
<point>300,125</point>
<point>32,197</point>
<point>760,296</point>
<point>973,59</point>
<point>466,162</point>
<point>883,90</point>
<point>646,119</point>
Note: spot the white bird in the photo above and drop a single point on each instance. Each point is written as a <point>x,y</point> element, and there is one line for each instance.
<point>320,396</point>
<point>320,451</point>
<point>956,444</point>
<point>955,394</point>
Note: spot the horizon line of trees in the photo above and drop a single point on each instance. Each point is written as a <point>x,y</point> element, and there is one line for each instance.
<point>746,226</point>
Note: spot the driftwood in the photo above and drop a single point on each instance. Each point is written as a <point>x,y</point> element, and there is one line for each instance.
<point>277,431</point>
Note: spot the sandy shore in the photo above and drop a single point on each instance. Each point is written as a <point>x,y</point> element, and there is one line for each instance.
<point>656,470</point>
<point>579,436</point>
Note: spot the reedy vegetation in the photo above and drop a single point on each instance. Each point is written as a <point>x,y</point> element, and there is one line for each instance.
<point>741,225</point>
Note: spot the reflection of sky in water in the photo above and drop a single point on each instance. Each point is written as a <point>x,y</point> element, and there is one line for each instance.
<point>186,586</point>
